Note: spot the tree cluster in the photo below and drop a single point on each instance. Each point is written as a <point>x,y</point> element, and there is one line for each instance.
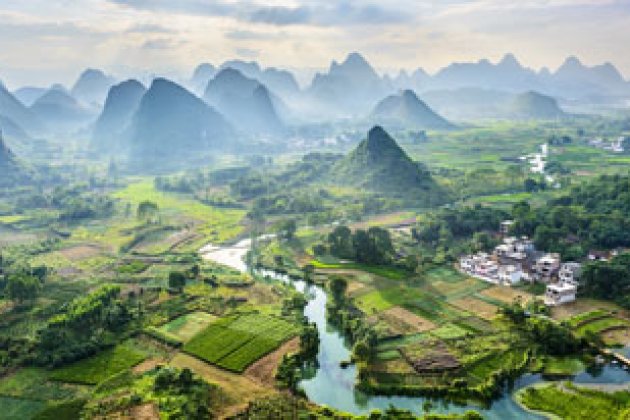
<point>372,246</point>
<point>592,215</point>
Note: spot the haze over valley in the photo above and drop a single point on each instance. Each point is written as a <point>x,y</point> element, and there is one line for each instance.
<point>305,209</point>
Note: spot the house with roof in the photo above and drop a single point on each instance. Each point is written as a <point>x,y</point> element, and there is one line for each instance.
<point>547,267</point>
<point>570,273</point>
<point>560,293</point>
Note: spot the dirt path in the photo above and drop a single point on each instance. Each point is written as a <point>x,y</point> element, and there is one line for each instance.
<point>264,370</point>
<point>147,365</point>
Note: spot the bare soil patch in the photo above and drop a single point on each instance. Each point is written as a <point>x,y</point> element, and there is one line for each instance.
<point>568,310</point>
<point>478,307</point>
<point>238,389</point>
<point>406,322</point>
<point>145,412</point>
<point>81,252</point>
<point>506,294</point>
<point>147,365</point>
<point>264,370</point>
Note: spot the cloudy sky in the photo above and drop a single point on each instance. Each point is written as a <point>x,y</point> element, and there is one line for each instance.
<point>46,41</point>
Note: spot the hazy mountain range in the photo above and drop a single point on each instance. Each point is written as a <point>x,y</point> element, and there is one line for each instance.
<point>244,99</point>
<point>246,103</point>
<point>406,110</point>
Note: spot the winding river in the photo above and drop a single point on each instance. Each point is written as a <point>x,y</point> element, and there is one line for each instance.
<point>334,386</point>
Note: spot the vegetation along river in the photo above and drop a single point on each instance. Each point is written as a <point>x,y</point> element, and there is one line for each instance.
<point>334,386</point>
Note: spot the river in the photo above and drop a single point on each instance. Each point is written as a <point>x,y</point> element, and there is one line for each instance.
<point>335,387</point>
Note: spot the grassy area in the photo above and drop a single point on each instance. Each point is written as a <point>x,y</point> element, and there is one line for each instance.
<point>187,326</point>
<point>586,317</point>
<point>19,409</point>
<point>387,272</point>
<point>218,224</point>
<point>236,342</point>
<point>449,332</point>
<point>562,366</point>
<point>602,325</point>
<point>96,369</point>
<point>572,403</point>
<point>32,383</point>
<point>382,299</point>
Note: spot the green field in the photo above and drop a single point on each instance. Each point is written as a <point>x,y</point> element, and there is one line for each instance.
<point>387,272</point>
<point>187,326</point>
<point>19,409</point>
<point>96,369</point>
<point>236,342</point>
<point>32,383</point>
<point>601,325</point>
<point>563,366</point>
<point>586,317</point>
<point>569,402</point>
<point>218,224</point>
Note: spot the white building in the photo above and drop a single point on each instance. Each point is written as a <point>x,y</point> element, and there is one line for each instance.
<point>570,273</point>
<point>506,225</point>
<point>510,274</point>
<point>559,293</point>
<point>547,266</point>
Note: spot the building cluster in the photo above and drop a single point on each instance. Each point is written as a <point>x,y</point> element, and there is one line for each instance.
<point>618,145</point>
<point>517,259</point>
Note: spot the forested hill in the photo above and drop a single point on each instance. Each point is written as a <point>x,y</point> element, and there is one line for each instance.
<point>378,163</point>
<point>594,215</point>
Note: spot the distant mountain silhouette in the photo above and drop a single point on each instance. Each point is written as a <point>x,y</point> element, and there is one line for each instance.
<point>379,164</point>
<point>203,73</point>
<point>574,79</point>
<point>60,111</point>
<point>92,86</point>
<point>171,121</point>
<point>508,74</point>
<point>350,88</point>
<point>533,105</point>
<point>280,82</point>
<point>29,94</point>
<point>14,110</point>
<point>112,125</point>
<point>406,110</point>
<point>245,102</point>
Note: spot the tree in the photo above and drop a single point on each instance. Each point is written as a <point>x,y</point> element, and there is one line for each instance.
<point>176,280</point>
<point>147,211</point>
<point>338,286</point>
<point>286,229</point>
<point>309,342</point>
<point>340,242</point>
<point>361,351</point>
<point>308,271</point>
<point>21,287</point>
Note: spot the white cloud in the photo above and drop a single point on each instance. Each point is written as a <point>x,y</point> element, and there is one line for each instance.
<point>61,37</point>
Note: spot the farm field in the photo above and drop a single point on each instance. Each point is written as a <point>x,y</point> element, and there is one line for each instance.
<point>476,306</point>
<point>20,409</point>
<point>187,326</point>
<point>236,342</point>
<point>215,224</point>
<point>97,368</point>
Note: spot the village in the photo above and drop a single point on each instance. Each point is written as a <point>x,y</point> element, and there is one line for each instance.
<point>516,260</point>
<point>618,145</point>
